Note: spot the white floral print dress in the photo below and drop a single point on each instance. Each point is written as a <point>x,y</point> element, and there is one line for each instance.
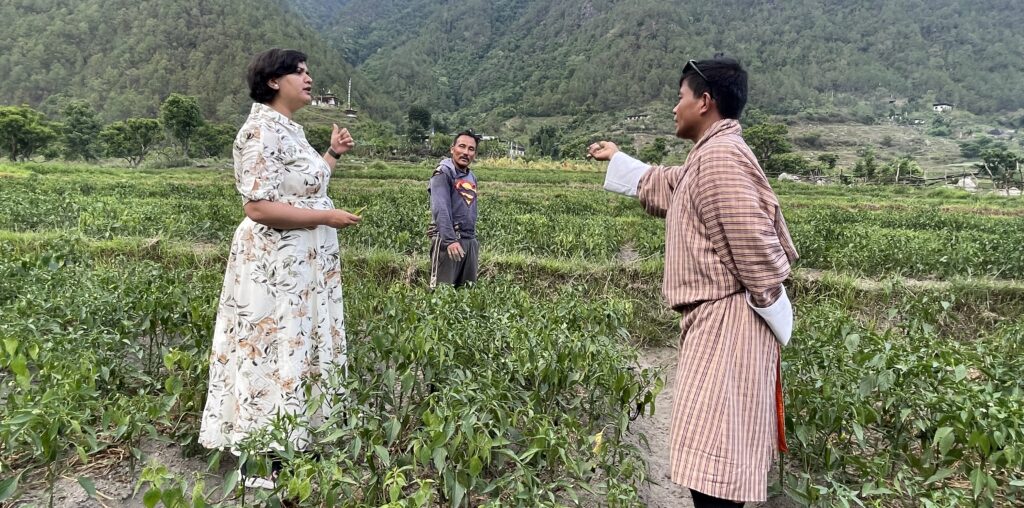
<point>280,320</point>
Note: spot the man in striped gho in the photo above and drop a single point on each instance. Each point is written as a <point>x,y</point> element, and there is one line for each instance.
<point>727,253</point>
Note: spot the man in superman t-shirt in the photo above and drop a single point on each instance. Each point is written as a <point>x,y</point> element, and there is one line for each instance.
<point>454,250</point>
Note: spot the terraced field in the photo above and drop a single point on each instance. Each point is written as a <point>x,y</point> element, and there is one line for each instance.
<point>903,382</point>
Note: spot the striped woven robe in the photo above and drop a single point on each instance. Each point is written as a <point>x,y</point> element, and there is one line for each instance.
<point>724,236</point>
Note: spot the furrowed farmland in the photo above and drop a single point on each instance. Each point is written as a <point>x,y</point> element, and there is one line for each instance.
<point>904,381</point>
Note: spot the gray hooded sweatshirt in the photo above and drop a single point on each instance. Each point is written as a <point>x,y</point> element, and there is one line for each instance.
<point>453,202</point>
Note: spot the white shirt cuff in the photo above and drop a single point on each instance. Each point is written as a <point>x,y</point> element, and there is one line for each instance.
<point>624,173</point>
<point>778,316</point>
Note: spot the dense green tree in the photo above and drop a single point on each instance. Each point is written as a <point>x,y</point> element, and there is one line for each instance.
<point>181,117</point>
<point>866,165</point>
<point>419,123</point>
<point>213,140</point>
<point>438,124</point>
<point>901,168</point>
<point>768,140</point>
<point>576,147</point>
<point>792,163</point>
<point>132,139</point>
<point>375,139</point>
<point>1001,164</point>
<point>23,132</point>
<point>829,160</point>
<point>419,116</point>
<point>494,148</point>
<point>754,116</point>
<point>441,144</point>
<point>654,152</point>
<point>80,131</point>
<point>941,125</point>
<point>545,143</point>
<point>972,148</point>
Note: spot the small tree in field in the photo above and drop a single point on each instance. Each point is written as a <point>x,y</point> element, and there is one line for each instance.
<point>132,139</point>
<point>181,117</point>
<point>545,142</point>
<point>972,148</point>
<point>829,160</point>
<point>903,167</point>
<point>23,131</point>
<point>792,163</point>
<point>81,131</point>
<point>1001,164</point>
<point>376,139</point>
<point>441,145</point>
<point>654,152</point>
<point>213,140</point>
<point>867,165</point>
<point>419,123</point>
<point>768,140</point>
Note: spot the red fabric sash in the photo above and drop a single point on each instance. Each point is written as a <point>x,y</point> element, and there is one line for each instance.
<point>780,411</point>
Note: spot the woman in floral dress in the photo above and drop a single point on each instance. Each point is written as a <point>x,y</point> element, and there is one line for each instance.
<point>280,322</point>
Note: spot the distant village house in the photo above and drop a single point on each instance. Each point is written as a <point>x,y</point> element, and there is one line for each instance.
<point>514,149</point>
<point>942,107</point>
<point>326,99</point>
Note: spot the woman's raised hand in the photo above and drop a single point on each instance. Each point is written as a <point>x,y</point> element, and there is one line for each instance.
<point>341,139</point>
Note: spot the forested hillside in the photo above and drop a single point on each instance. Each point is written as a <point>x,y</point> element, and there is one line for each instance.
<point>519,58</point>
<point>319,14</point>
<point>538,58</point>
<point>126,56</point>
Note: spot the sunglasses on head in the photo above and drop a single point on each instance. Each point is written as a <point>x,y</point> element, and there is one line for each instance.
<point>693,64</point>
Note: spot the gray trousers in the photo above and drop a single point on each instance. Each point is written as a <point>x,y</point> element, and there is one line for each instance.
<point>445,270</point>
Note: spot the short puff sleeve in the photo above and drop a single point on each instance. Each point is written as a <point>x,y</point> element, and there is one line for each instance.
<point>259,164</point>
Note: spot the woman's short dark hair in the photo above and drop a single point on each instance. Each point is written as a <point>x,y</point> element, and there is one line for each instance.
<point>270,64</point>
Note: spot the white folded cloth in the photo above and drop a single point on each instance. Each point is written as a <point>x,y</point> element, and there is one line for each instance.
<point>778,316</point>
<point>624,174</point>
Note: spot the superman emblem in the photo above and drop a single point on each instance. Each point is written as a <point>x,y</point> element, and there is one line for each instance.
<point>466,189</point>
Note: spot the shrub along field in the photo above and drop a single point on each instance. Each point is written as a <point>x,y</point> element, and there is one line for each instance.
<point>519,391</point>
